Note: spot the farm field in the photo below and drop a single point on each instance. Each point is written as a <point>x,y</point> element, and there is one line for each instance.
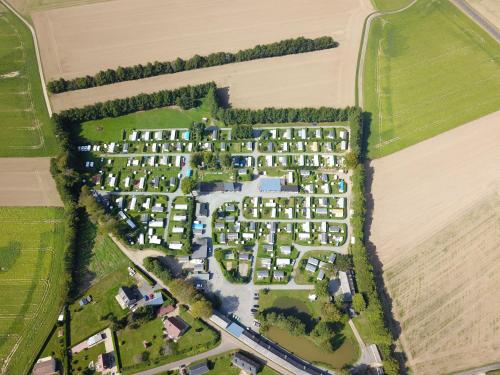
<point>164,30</point>
<point>428,69</point>
<point>32,282</point>
<point>27,182</point>
<point>436,219</point>
<point>388,5</point>
<point>25,126</point>
<point>25,7</point>
<point>489,9</point>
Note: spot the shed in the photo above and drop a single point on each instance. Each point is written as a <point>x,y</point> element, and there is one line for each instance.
<point>199,369</point>
<point>245,363</point>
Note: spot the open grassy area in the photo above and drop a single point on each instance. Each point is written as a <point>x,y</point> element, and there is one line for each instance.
<point>106,257</point>
<point>32,282</point>
<point>25,126</point>
<point>86,320</point>
<point>111,128</point>
<point>135,356</point>
<point>80,361</point>
<point>428,69</point>
<point>297,303</point>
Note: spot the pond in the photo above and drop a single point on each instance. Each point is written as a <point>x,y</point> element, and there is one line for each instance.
<point>346,353</point>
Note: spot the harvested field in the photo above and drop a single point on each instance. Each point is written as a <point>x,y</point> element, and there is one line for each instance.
<point>72,45</point>
<point>436,232</point>
<point>489,9</point>
<point>312,79</point>
<point>27,182</point>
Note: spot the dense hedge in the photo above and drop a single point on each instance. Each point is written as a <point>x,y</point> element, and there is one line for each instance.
<point>365,280</point>
<point>185,97</point>
<point>109,76</point>
<point>235,116</point>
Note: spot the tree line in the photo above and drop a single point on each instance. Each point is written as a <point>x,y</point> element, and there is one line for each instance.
<point>120,74</point>
<point>185,97</point>
<point>368,300</point>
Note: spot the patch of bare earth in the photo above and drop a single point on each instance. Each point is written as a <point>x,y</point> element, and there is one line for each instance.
<point>85,39</point>
<point>27,182</point>
<point>436,232</point>
<point>489,9</point>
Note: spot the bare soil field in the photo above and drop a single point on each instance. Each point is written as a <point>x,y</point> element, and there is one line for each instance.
<point>85,39</point>
<point>489,9</point>
<point>436,232</point>
<point>27,182</point>
<point>312,79</point>
<point>25,7</point>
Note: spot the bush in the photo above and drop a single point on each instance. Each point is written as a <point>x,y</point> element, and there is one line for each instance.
<point>109,76</point>
<point>288,323</point>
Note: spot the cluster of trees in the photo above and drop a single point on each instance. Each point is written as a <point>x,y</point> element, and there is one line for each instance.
<point>97,214</point>
<point>367,299</point>
<point>289,323</point>
<point>109,76</point>
<point>181,289</point>
<point>241,131</point>
<point>208,159</point>
<point>236,116</point>
<point>322,334</point>
<point>186,97</point>
<point>188,185</point>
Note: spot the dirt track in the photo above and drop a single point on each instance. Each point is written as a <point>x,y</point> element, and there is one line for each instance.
<point>27,182</point>
<point>79,40</point>
<point>489,9</point>
<point>436,231</point>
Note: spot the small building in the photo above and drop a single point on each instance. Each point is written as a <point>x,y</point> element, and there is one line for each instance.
<point>165,310</point>
<point>262,275</point>
<point>278,275</point>
<point>345,286</point>
<point>96,339</point>
<point>199,369</point>
<point>105,361</point>
<point>244,256</point>
<point>245,363</point>
<point>270,185</point>
<point>310,268</point>
<point>175,327</point>
<point>286,250</point>
<point>45,366</point>
<point>127,296</point>
<point>321,275</point>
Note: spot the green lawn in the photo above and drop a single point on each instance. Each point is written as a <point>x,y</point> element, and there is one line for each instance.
<point>32,282</point>
<point>111,128</point>
<point>80,361</point>
<point>388,5</point>
<point>428,69</point>
<point>106,257</point>
<point>221,365</point>
<point>296,302</point>
<point>197,339</point>
<point>25,126</point>
<point>86,320</point>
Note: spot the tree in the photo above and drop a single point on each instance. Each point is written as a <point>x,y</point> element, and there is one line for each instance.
<point>226,160</point>
<point>202,309</point>
<point>188,184</point>
<point>330,312</point>
<point>242,132</point>
<point>358,302</point>
<point>323,331</point>
<point>351,160</point>
<point>196,160</point>
<point>183,291</point>
<point>321,288</point>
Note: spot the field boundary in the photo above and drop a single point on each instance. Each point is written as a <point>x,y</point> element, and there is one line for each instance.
<point>358,90</point>
<point>478,18</point>
<point>37,52</point>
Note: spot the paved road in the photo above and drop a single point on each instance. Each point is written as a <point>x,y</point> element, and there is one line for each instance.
<point>478,18</point>
<point>480,370</point>
<point>37,52</point>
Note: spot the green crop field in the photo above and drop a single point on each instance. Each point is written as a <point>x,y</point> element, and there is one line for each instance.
<point>32,282</point>
<point>111,128</point>
<point>428,69</point>
<point>25,126</point>
<point>388,5</point>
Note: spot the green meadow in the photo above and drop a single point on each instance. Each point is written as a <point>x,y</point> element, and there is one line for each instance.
<point>25,126</point>
<point>32,282</point>
<point>388,5</point>
<point>111,128</point>
<point>428,69</point>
